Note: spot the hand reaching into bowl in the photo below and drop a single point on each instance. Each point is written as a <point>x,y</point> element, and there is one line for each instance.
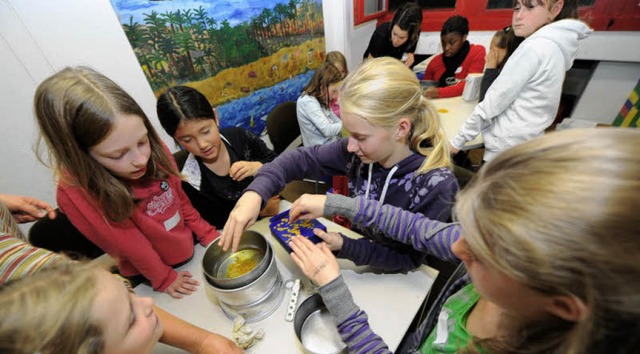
<point>316,261</point>
<point>243,215</point>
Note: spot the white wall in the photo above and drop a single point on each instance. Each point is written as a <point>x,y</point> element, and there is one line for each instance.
<point>607,91</point>
<point>38,38</point>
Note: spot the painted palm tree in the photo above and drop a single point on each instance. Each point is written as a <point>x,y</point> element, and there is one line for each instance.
<point>185,45</point>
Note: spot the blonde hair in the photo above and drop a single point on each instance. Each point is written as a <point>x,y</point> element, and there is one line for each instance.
<point>383,90</point>
<point>558,214</point>
<point>75,109</point>
<point>337,58</point>
<point>50,312</point>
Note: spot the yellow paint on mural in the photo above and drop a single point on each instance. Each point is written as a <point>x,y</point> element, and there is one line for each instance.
<point>633,97</point>
<point>633,112</point>
<point>234,83</point>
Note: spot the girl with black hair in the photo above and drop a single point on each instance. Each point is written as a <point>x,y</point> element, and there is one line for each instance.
<point>457,60</point>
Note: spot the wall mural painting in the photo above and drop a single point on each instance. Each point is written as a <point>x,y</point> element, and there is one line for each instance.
<point>245,56</point>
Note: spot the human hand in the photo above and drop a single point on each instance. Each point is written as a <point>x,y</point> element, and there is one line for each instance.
<point>316,261</point>
<point>491,61</point>
<point>308,206</point>
<point>410,59</point>
<point>453,150</point>
<point>27,209</point>
<point>217,344</point>
<point>243,215</point>
<point>183,285</point>
<point>333,239</point>
<point>272,208</point>
<point>431,92</point>
<point>243,169</point>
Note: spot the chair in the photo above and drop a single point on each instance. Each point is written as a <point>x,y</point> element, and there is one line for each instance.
<point>59,235</point>
<point>282,126</point>
<point>283,129</point>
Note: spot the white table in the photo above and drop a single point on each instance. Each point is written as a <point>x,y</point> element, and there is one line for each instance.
<point>390,300</point>
<point>453,112</point>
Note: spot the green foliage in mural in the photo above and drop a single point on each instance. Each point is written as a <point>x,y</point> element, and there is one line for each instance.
<point>182,46</point>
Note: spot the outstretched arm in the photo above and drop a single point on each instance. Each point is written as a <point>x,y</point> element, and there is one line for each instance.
<point>193,339</point>
<point>27,209</point>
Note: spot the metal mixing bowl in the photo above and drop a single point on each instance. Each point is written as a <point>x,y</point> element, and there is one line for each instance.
<point>315,328</point>
<point>216,262</point>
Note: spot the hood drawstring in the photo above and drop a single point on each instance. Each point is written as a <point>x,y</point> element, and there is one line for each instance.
<point>386,182</point>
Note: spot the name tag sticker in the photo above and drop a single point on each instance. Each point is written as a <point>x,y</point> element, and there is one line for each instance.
<point>172,221</point>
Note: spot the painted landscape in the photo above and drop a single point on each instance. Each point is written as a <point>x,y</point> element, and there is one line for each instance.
<point>246,56</point>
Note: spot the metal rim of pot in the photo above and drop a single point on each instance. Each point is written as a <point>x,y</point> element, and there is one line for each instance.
<point>309,306</point>
<point>214,257</point>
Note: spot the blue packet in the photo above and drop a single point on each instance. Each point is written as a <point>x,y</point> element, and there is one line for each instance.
<point>283,230</point>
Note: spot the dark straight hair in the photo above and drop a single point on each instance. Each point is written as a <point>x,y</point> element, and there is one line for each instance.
<point>182,103</point>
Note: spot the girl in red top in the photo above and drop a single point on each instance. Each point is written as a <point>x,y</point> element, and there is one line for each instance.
<point>457,60</point>
<point>118,186</point>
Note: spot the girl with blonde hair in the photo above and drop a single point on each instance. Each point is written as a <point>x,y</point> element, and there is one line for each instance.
<point>396,153</point>
<point>118,185</point>
<point>81,308</point>
<point>548,242</point>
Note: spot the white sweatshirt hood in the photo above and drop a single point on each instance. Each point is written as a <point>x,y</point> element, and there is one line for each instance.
<point>565,33</point>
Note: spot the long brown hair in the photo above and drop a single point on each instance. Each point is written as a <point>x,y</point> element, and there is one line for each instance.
<point>506,39</point>
<point>318,86</point>
<point>75,109</point>
<point>558,214</point>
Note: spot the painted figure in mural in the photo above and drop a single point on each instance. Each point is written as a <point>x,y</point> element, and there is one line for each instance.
<point>318,123</point>
<point>118,184</point>
<point>523,101</point>
<point>398,38</point>
<point>457,60</point>
<point>217,164</point>
<point>339,61</point>
<point>396,153</point>
<point>530,282</point>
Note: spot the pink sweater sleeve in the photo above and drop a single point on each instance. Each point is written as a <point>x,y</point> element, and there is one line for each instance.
<point>205,232</point>
<point>120,240</point>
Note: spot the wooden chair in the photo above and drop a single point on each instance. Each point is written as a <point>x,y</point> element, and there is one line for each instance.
<point>283,130</point>
<point>282,126</point>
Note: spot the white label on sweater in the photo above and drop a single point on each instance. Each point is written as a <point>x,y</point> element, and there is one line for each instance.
<point>172,221</point>
<point>442,330</point>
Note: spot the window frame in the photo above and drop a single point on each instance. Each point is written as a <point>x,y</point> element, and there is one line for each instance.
<point>603,15</point>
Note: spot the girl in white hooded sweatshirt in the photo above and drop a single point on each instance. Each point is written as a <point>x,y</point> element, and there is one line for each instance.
<point>523,101</point>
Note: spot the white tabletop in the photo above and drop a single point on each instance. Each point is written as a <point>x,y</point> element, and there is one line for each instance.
<point>453,112</point>
<point>390,300</point>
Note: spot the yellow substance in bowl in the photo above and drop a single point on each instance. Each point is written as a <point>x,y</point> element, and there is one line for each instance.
<point>244,262</point>
<point>443,110</point>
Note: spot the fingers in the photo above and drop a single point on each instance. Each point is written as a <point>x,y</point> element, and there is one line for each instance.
<point>183,285</point>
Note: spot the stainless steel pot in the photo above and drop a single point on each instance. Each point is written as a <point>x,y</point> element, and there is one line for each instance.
<point>252,292</point>
<point>315,328</point>
<point>216,262</point>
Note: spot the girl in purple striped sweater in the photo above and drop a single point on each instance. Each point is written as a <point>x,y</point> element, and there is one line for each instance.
<point>548,242</point>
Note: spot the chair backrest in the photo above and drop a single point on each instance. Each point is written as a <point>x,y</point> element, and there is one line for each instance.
<point>282,126</point>
<point>59,235</point>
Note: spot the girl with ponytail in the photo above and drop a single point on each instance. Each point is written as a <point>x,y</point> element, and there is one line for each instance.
<point>395,153</point>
